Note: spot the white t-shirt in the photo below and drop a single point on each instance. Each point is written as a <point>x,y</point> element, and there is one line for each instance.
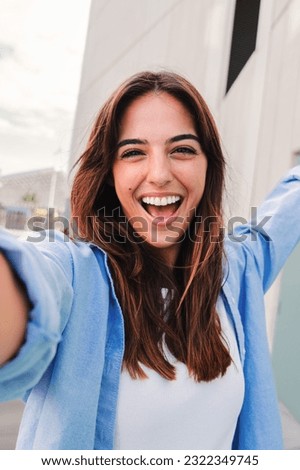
<point>156,413</point>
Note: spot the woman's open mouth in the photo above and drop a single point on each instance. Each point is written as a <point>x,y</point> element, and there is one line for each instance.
<point>161,206</point>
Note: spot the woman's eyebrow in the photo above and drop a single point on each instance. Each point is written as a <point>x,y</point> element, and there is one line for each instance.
<point>176,138</point>
<point>131,142</point>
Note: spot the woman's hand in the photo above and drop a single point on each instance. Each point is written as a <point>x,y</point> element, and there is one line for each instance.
<point>14,309</point>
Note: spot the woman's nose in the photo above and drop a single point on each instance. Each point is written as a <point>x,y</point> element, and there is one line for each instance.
<point>159,169</point>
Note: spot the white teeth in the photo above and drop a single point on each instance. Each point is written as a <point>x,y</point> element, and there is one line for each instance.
<point>161,201</point>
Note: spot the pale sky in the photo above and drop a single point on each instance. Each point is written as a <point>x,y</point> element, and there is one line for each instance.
<point>41,51</point>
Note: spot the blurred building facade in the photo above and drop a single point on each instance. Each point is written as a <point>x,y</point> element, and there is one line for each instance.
<point>244,58</point>
<point>32,193</point>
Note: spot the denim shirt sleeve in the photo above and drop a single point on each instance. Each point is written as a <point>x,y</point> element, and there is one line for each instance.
<point>275,231</point>
<point>46,270</point>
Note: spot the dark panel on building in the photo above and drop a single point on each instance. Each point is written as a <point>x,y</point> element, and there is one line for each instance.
<point>243,37</point>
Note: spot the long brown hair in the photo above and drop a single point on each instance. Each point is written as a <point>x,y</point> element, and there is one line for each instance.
<point>186,321</point>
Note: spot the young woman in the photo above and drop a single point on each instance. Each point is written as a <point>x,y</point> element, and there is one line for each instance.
<point>149,331</point>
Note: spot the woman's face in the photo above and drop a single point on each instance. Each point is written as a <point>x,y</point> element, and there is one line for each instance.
<point>159,170</point>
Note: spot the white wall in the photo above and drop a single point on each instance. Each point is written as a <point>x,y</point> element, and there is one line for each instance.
<point>260,116</point>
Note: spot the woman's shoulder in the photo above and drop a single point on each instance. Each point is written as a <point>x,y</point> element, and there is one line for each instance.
<point>74,253</point>
<point>54,241</point>
<point>52,248</point>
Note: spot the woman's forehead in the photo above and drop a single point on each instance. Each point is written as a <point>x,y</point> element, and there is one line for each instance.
<point>155,114</point>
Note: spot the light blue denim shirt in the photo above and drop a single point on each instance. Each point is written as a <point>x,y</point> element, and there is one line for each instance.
<point>69,367</point>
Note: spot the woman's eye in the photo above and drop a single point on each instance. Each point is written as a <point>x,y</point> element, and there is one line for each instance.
<point>184,150</point>
<point>131,153</point>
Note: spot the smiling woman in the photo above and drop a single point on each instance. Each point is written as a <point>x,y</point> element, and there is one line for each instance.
<point>154,139</point>
<point>161,315</point>
<point>159,179</point>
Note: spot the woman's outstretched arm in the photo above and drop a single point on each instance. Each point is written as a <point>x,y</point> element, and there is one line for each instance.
<point>14,308</point>
<point>34,316</point>
<point>275,229</point>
